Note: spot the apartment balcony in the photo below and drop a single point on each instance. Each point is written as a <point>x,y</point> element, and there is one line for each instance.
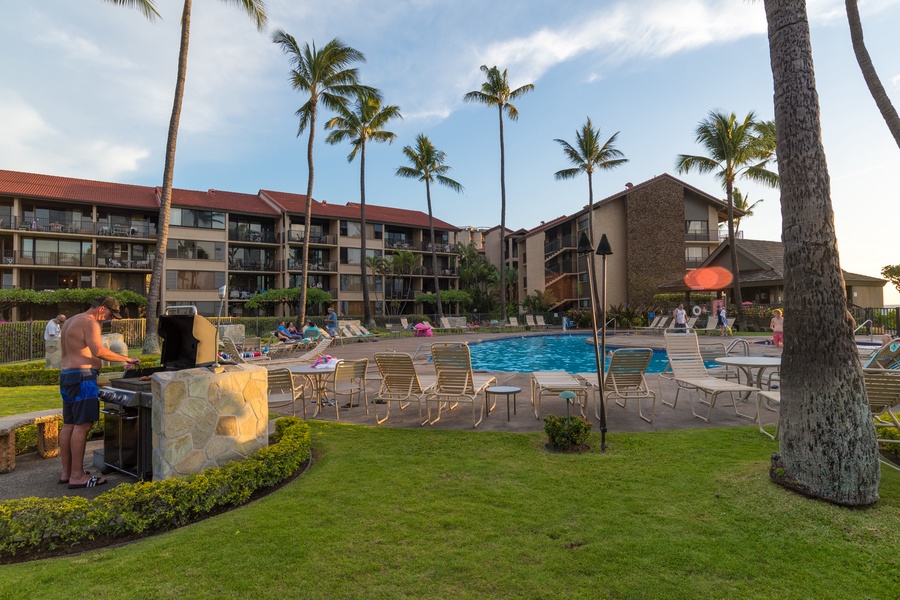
<point>559,245</point>
<point>451,272</point>
<point>420,247</point>
<point>702,236</point>
<point>124,263</point>
<point>297,265</point>
<point>327,239</point>
<point>255,237</point>
<point>722,234</point>
<point>249,265</point>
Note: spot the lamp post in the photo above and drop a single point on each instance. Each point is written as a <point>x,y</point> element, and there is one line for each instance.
<point>585,248</point>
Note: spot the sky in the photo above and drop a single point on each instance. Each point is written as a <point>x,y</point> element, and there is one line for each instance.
<point>88,86</point>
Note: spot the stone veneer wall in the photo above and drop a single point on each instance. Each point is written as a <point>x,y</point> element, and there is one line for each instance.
<point>656,238</point>
<point>204,419</point>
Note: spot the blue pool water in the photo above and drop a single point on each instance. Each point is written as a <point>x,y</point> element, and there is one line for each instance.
<point>566,352</point>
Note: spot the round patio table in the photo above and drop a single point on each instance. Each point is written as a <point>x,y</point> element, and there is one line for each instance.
<point>501,390</point>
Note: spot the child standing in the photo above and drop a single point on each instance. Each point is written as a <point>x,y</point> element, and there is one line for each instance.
<point>777,327</point>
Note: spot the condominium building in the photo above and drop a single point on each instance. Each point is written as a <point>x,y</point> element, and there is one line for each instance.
<point>60,232</point>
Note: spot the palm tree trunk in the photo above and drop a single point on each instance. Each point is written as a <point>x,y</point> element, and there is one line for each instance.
<point>827,437</point>
<point>502,221</point>
<point>434,270</point>
<point>308,216</point>
<point>735,272</point>
<point>888,112</point>
<point>367,310</point>
<point>151,338</point>
<point>592,257</point>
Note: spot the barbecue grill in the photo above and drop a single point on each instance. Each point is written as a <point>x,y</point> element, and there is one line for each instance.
<point>189,340</point>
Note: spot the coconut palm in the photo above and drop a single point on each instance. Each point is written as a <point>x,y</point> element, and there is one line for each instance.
<point>428,166</point>
<point>495,92</point>
<point>323,74</point>
<point>588,156</point>
<point>736,149</point>
<point>827,446</point>
<point>147,7</point>
<point>256,10</point>
<point>742,204</point>
<point>882,101</point>
<point>365,122</point>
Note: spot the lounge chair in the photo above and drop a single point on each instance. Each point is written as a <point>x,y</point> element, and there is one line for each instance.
<point>239,357</point>
<point>883,391</point>
<point>530,323</point>
<point>349,380</point>
<point>447,327</point>
<point>689,373</point>
<point>404,324</point>
<point>359,334</point>
<point>539,321</point>
<point>285,388</point>
<point>886,357</point>
<point>625,380</point>
<point>514,324</point>
<point>299,355</point>
<point>456,382</point>
<point>711,325</point>
<point>399,383</point>
<point>553,383</point>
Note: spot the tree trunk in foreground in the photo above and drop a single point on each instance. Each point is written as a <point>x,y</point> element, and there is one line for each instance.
<point>827,437</point>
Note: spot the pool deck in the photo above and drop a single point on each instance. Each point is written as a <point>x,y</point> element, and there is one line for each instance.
<point>34,476</point>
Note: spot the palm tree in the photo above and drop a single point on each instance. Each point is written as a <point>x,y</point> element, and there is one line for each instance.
<point>428,166</point>
<point>827,445</point>
<point>736,149</point>
<point>495,92</point>
<point>588,156</point>
<point>147,7</point>
<point>325,76</point>
<point>882,101</point>
<point>742,204</point>
<point>365,122</point>
<point>256,10</point>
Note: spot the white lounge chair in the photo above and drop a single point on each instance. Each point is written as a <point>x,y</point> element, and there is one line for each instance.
<point>456,382</point>
<point>553,383</point>
<point>689,373</point>
<point>625,380</point>
<point>399,383</point>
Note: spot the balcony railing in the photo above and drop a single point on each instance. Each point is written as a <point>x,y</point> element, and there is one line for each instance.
<point>250,265</point>
<point>297,265</point>
<point>261,237</point>
<point>564,243</point>
<point>420,246</point>
<point>702,236</point>
<point>124,263</point>
<point>442,272</point>
<point>326,239</point>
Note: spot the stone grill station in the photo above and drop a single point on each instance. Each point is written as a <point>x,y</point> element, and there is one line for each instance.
<point>200,414</point>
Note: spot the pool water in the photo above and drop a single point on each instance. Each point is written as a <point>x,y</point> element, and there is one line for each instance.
<point>564,352</point>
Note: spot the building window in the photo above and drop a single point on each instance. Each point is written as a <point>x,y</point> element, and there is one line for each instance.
<point>582,223</point>
<point>193,249</point>
<point>694,256</point>
<point>194,280</point>
<point>696,230</point>
<point>350,256</point>
<point>350,229</point>
<point>200,219</point>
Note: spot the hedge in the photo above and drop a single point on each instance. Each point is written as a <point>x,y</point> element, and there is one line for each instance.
<point>35,373</point>
<point>32,526</point>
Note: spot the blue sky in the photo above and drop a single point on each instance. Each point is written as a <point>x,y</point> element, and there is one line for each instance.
<point>87,92</point>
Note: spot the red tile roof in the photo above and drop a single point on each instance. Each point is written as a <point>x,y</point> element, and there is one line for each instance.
<point>31,185</point>
<point>232,202</point>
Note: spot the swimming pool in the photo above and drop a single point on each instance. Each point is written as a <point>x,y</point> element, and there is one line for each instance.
<point>565,352</point>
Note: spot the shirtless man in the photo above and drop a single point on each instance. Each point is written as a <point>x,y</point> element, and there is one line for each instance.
<point>82,353</point>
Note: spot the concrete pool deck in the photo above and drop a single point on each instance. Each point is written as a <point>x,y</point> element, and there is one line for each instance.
<point>34,476</point>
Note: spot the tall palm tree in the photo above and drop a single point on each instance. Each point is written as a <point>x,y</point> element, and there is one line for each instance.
<point>428,166</point>
<point>882,101</point>
<point>495,92</point>
<point>365,122</point>
<point>147,7</point>
<point>736,149</point>
<point>742,203</point>
<point>257,11</point>
<point>324,74</point>
<point>588,156</point>
<point>827,442</point>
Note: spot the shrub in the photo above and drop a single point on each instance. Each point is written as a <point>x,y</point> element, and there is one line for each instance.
<point>32,525</point>
<point>564,433</point>
<point>890,433</point>
<point>35,373</point>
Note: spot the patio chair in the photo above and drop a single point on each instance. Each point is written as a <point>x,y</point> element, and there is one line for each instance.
<point>399,383</point>
<point>404,323</point>
<point>770,397</point>
<point>514,324</point>
<point>237,356</point>
<point>539,321</point>
<point>553,383</point>
<point>349,380</point>
<point>285,389</point>
<point>883,391</point>
<point>299,355</point>
<point>886,357</point>
<point>689,373</point>
<point>691,322</point>
<point>711,325</point>
<point>625,379</point>
<point>456,382</point>
<point>360,335</point>
<point>530,322</point>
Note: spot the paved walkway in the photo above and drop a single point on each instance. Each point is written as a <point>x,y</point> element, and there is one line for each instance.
<point>34,476</point>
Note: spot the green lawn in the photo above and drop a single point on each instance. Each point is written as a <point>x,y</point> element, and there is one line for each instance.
<point>400,513</point>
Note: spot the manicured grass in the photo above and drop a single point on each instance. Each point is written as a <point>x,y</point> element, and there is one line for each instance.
<point>28,398</point>
<point>400,513</point>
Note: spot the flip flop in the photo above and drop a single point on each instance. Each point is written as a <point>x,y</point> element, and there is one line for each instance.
<point>66,481</point>
<point>92,482</point>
